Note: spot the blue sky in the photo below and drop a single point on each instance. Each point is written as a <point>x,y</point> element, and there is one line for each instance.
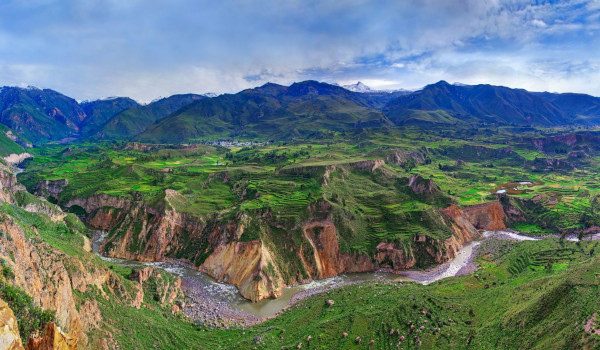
<point>146,48</point>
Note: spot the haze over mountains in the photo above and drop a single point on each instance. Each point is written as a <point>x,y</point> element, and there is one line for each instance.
<point>281,112</point>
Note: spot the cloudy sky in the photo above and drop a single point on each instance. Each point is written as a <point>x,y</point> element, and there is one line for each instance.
<point>148,48</point>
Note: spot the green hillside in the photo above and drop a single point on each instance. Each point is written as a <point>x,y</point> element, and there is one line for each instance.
<point>100,111</point>
<point>8,146</point>
<point>135,120</point>
<point>269,112</point>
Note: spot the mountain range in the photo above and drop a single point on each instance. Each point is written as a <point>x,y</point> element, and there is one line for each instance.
<point>39,116</point>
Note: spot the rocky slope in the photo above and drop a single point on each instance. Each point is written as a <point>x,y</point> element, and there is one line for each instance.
<point>143,233</point>
<point>61,276</point>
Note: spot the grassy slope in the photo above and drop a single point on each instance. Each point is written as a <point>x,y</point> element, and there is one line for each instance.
<point>254,114</point>
<point>474,182</point>
<point>100,111</point>
<point>135,120</point>
<point>8,146</point>
<point>538,302</point>
<point>525,295</point>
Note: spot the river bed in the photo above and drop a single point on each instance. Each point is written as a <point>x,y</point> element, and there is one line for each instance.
<point>210,300</point>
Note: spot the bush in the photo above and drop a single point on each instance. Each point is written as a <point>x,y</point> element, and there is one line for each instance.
<point>30,317</point>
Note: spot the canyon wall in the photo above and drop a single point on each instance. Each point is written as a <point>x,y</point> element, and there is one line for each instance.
<point>214,246</point>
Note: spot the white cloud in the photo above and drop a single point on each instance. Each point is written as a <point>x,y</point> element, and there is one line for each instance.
<point>152,48</point>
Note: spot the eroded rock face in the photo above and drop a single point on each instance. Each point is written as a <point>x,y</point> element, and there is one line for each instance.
<point>487,216</point>
<point>464,232</point>
<point>15,158</point>
<point>50,188</point>
<point>9,181</point>
<point>41,271</point>
<point>420,185</point>
<point>329,262</point>
<point>402,157</point>
<point>246,265</point>
<point>44,207</point>
<point>9,329</point>
<point>165,291</point>
<point>367,165</point>
<point>251,265</point>
<point>52,338</point>
<point>389,254</point>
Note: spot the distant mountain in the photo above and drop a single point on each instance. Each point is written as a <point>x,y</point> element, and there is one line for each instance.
<point>358,87</point>
<point>362,88</point>
<point>269,111</point>
<point>377,98</point>
<point>304,109</point>
<point>44,115</point>
<point>40,115</point>
<point>442,103</point>
<point>136,119</point>
<point>580,108</point>
<point>100,111</point>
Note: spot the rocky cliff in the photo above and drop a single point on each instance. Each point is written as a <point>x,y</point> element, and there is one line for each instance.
<point>216,247</point>
<point>52,338</point>
<point>52,278</point>
<point>487,216</point>
<point>10,339</point>
<point>50,188</point>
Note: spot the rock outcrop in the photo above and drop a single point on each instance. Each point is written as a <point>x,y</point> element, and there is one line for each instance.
<point>50,188</point>
<point>165,289</point>
<point>464,232</point>
<point>39,271</point>
<point>402,157</point>
<point>367,165</point>
<point>329,262</point>
<point>9,181</point>
<point>52,338</point>
<point>246,265</point>
<point>487,216</point>
<point>15,158</point>
<point>421,186</point>
<point>9,329</point>
<point>395,257</point>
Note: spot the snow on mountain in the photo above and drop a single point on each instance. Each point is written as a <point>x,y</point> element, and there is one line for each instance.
<point>358,87</point>
<point>362,88</point>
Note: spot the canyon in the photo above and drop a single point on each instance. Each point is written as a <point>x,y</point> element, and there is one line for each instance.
<point>251,265</point>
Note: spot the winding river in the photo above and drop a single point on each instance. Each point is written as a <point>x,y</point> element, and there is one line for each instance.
<point>228,296</point>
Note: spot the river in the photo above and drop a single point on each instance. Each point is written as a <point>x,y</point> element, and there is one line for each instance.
<point>217,298</point>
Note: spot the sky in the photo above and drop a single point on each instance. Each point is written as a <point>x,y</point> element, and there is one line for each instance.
<point>147,49</point>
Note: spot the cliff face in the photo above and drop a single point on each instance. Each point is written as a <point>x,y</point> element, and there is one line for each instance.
<point>50,277</point>
<point>146,234</point>
<point>52,338</point>
<point>487,216</point>
<point>9,329</point>
<point>420,185</point>
<point>329,262</point>
<point>39,270</point>
<point>8,185</point>
<point>50,188</point>
<point>464,232</point>
<point>245,265</point>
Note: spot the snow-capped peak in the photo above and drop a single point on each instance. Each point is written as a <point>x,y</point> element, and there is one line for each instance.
<point>358,87</point>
